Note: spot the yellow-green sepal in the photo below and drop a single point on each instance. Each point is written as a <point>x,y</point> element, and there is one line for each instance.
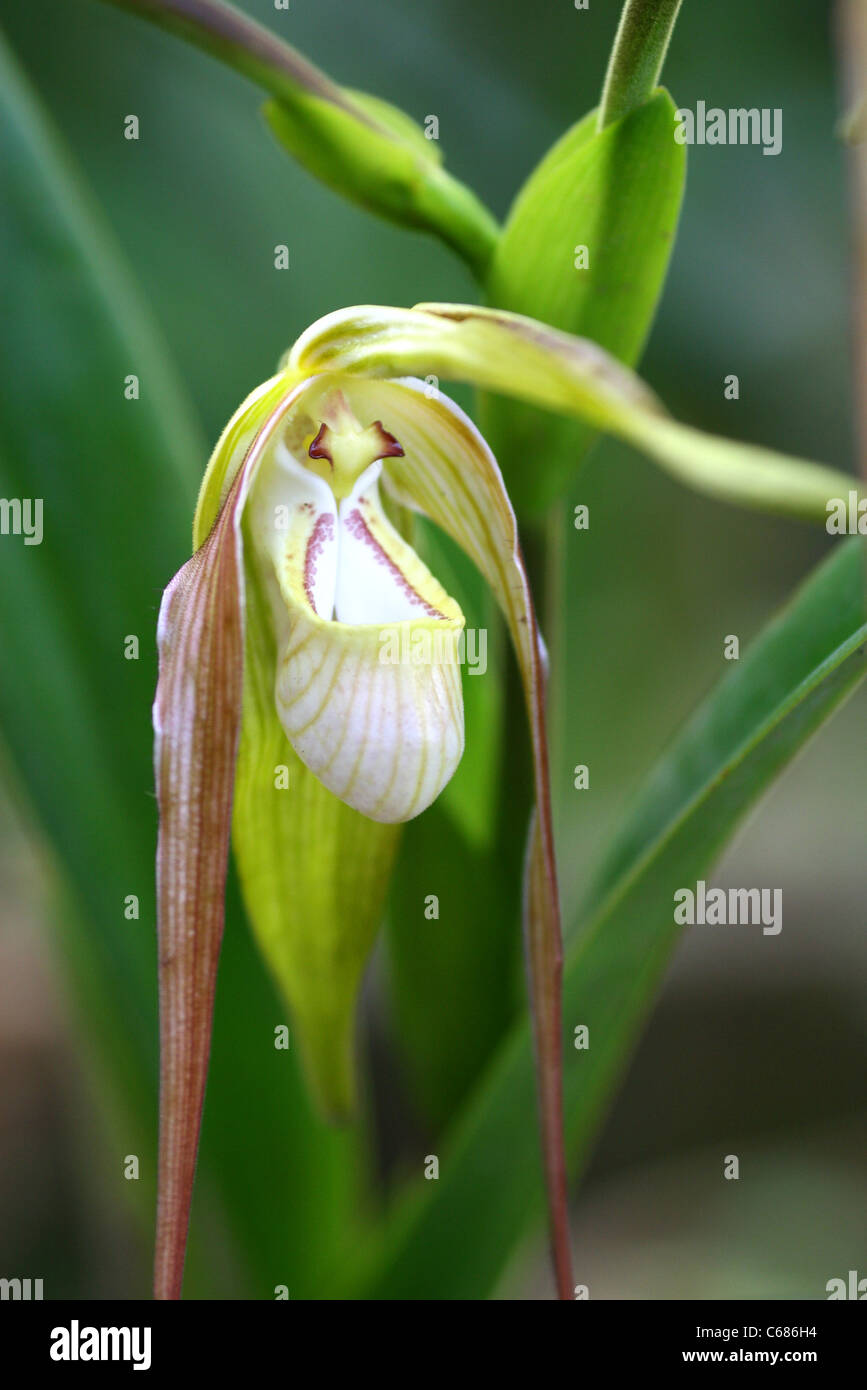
<point>314,874</point>
<point>518,357</point>
<point>585,248</point>
<point>231,448</point>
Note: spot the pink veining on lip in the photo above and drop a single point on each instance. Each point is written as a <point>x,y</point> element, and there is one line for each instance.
<point>322,533</point>
<point>358,527</point>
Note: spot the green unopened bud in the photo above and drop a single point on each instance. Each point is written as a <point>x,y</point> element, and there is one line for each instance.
<point>372,153</point>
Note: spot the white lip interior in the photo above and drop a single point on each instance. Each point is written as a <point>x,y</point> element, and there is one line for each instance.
<point>349,577</point>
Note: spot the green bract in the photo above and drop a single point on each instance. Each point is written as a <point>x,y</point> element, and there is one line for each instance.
<point>585,248</point>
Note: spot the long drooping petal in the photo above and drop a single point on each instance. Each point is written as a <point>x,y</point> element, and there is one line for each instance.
<point>450,475</point>
<point>519,357</point>
<point>197,716</point>
<point>197,719</point>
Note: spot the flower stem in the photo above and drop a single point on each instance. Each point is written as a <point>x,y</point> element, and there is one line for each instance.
<point>637,56</point>
<point>851,35</point>
<point>543,942</point>
<point>243,44</point>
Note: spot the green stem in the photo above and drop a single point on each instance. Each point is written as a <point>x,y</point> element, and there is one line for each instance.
<point>242,44</point>
<point>852,47</point>
<point>637,56</point>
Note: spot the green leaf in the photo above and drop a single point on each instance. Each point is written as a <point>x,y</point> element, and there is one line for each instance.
<point>455,978</point>
<point>118,478</point>
<point>452,1238</point>
<point>617,194</point>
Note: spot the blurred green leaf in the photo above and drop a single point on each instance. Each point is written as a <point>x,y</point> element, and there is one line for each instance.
<point>453,1237</point>
<point>118,478</point>
<point>614,196</point>
<point>455,977</point>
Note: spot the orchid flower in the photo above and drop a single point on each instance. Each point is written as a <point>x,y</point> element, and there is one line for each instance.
<point>288,713</point>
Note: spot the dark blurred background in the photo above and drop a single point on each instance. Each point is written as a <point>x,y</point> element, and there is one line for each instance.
<point>756,1046</point>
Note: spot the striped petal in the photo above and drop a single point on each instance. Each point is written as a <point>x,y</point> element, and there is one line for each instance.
<point>197,718</point>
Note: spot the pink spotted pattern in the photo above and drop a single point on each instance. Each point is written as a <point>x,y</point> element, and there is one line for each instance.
<point>320,536</point>
<point>358,527</point>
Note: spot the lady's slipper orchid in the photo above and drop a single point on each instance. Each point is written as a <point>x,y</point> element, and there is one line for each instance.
<point>282,712</point>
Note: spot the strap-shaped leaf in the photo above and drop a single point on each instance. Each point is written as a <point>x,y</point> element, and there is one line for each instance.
<point>75,718</point>
<point>785,687</point>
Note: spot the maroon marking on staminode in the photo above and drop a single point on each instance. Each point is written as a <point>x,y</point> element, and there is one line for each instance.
<point>358,527</point>
<point>322,533</point>
<point>382,444</point>
<point>320,449</point>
